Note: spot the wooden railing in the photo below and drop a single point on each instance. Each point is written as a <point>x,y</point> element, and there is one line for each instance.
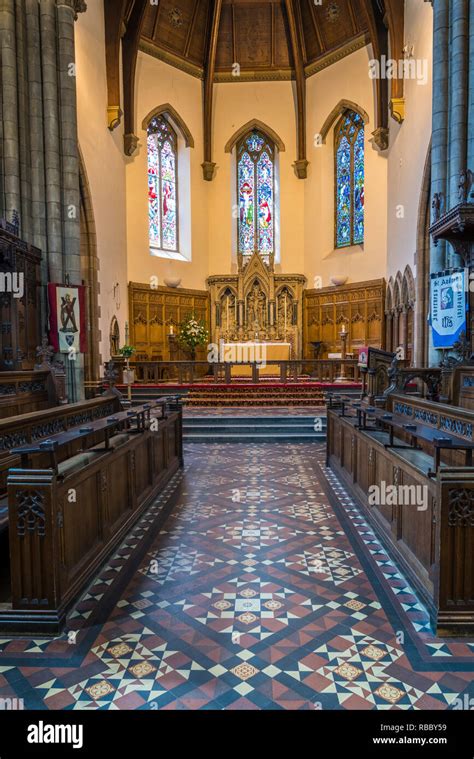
<point>188,372</point>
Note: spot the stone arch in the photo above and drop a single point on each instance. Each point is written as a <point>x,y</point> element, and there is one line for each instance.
<point>168,110</point>
<point>224,289</point>
<point>337,111</point>
<point>397,291</point>
<point>254,124</point>
<point>89,273</point>
<point>408,313</point>
<point>290,289</point>
<point>408,288</point>
<point>389,296</point>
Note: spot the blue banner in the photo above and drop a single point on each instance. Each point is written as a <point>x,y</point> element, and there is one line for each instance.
<point>448,307</point>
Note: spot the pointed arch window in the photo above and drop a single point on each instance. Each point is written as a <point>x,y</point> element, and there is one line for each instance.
<point>163,216</point>
<point>349,152</point>
<point>256,194</point>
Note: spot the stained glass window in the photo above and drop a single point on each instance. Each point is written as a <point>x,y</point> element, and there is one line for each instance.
<point>162,185</point>
<point>256,194</point>
<point>350,178</point>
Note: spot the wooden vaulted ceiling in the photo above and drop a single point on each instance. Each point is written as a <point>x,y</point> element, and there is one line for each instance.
<point>268,39</point>
<point>255,34</point>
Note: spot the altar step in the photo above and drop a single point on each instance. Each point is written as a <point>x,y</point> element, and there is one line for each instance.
<point>243,395</point>
<point>274,394</point>
<point>254,429</point>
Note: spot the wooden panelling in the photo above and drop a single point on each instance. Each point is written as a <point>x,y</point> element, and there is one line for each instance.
<point>20,317</point>
<point>153,311</point>
<point>359,306</point>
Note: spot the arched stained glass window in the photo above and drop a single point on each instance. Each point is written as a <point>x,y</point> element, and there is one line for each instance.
<point>162,185</point>
<point>350,178</point>
<point>256,194</point>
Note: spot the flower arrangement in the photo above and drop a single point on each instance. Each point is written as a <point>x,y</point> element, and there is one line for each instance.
<point>127,351</point>
<point>192,333</point>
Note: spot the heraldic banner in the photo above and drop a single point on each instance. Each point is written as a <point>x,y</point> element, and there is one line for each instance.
<point>67,318</point>
<point>448,307</point>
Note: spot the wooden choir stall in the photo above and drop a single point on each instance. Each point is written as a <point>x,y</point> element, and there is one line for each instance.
<point>73,481</point>
<point>408,461</point>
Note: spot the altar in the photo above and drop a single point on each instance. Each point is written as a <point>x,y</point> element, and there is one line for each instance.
<point>255,352</point>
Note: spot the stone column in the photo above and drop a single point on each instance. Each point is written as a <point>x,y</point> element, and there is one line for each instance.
<point>11,200</point>
<point>52,156</point>
<point>23,121</point>
<point>36,130</point>
<point>439,154</point>
<point>68,140</point>
<point>458,96</point>
<point>470,130</point>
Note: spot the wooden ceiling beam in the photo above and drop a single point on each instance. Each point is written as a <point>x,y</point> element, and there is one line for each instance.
<point>316,28</point>
<point>378,34</point>
<point>130,44</point>
<point>208,167</point>
<point>301,164</point>
<point>114,17</point>
<point>395,18</point>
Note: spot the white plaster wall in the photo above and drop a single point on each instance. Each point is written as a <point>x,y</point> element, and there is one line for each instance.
<point>346,80</point>
<point>409,145</point>
<point>105,167</point>
<point>159,83</point>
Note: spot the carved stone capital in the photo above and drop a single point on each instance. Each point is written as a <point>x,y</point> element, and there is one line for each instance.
<point>77,6</point>
<point>301,168</point>
<point>208,171</point>
<point>130,144</point>
<point>380,138</point>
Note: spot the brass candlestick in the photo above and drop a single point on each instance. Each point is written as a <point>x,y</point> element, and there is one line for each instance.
<point>343,335</point>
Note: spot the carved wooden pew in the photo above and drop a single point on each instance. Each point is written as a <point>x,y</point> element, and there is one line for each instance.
<point>31,428</point>
<point>66,518</point>
<point>432,539</point>
<point>26,392</point>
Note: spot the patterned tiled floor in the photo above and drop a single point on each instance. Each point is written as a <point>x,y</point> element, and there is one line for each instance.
<point>265,589</point>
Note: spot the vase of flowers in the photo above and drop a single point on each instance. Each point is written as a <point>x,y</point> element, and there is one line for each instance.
<point>127,352</point>
<point>192,334</point>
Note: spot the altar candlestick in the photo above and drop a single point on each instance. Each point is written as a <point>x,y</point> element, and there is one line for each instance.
<point>227,312</point>
<point>285,314</point>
